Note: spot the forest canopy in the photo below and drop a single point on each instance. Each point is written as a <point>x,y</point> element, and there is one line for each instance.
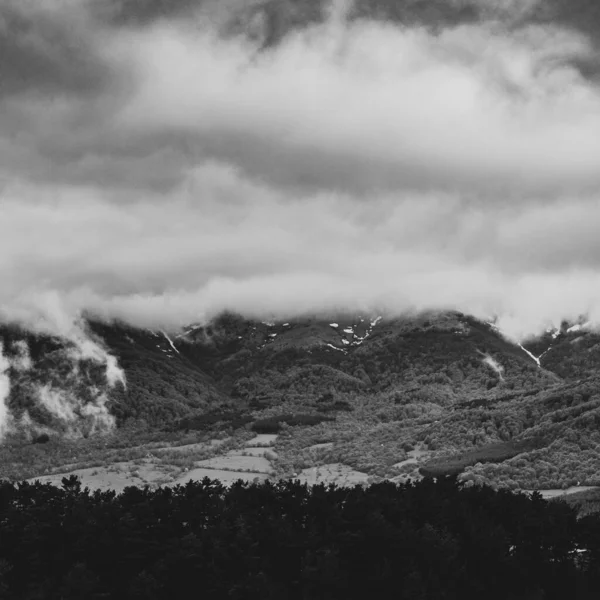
<point>431,540</point>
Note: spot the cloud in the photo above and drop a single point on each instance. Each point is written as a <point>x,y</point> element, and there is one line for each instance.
<point>369,105</point>
<point>122,12</point>
<point>47,49</point>
<point>4,392</point>
<point>228,243</point>
<point>177,171</point>
<point>494,365</point>
<point>60,384</point>
<point>72,413</point>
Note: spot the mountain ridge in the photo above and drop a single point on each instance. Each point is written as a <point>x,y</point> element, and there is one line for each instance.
<point>445,383</point>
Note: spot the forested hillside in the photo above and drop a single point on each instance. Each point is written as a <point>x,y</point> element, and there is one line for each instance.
<point>371,390</point>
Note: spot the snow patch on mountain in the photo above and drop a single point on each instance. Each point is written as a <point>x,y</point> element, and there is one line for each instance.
<point>170,342</point>
<point>535,358</point>
<point>349,333</point>
<point>336,348</point>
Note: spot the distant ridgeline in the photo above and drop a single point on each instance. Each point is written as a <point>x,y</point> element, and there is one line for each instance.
<point>240,365</point>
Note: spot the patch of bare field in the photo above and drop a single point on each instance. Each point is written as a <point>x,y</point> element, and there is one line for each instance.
<point>337,473</point>
<point>115,477</point>
<point>235,462</point>
<point>414,457</point>
<point>559,492</point>
<point>263,440</point>
<point>166,465</point>
<point>224,476</point>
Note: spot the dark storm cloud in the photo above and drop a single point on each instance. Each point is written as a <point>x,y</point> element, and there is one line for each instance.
<point>42,54</point>
<point>144,12</point>
<point>284,16</point>
<point>280,18</point>
<point>579,15</point>
<point>436,14</point>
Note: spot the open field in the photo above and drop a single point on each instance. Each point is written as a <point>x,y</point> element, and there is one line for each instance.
<point>567,492</point>
<point>333,473</point>
<point>264,440</point>
<point>224,476</point>
<point>304,455</point>
<point>162,466</point>
<point>155,470</point>
<point>115,477</point>
<point>414,458</point>
<point>237,462</point>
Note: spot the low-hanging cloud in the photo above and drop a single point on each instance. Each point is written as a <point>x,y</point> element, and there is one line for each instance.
<point>4,391</point>
<point>357,164</point>
<point>491,362</point>
<point>56,390</point>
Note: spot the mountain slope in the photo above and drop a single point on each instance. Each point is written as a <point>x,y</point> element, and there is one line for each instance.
<point>364,388</point>
<point>115,374</point>
<point>235,363</point>
<point>448,351</point>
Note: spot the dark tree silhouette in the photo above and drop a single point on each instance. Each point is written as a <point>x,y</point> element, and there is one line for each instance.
<point>287,540</point>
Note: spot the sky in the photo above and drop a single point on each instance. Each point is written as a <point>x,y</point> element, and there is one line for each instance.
<point>162,161</point>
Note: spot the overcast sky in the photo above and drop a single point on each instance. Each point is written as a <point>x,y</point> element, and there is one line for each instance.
<point>163,160</point>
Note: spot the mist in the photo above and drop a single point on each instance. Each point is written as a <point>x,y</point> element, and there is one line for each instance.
<point>4,392</point>
<point>177,169</point>
<point>56,387</point>
<point>494,365</point>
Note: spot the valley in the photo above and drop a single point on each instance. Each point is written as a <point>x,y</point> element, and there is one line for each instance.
<point>348,399</point>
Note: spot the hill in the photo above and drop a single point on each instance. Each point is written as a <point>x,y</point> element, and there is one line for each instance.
<point>402,398</point>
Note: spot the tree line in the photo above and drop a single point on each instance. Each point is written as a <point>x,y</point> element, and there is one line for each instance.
<point>430,540</point>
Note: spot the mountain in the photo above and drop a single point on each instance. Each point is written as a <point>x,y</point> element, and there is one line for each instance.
<point>432,393</point>
<point>359,353</point>
<point>54,387</point>
<point>238,364</point>
<point>574,352</point>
